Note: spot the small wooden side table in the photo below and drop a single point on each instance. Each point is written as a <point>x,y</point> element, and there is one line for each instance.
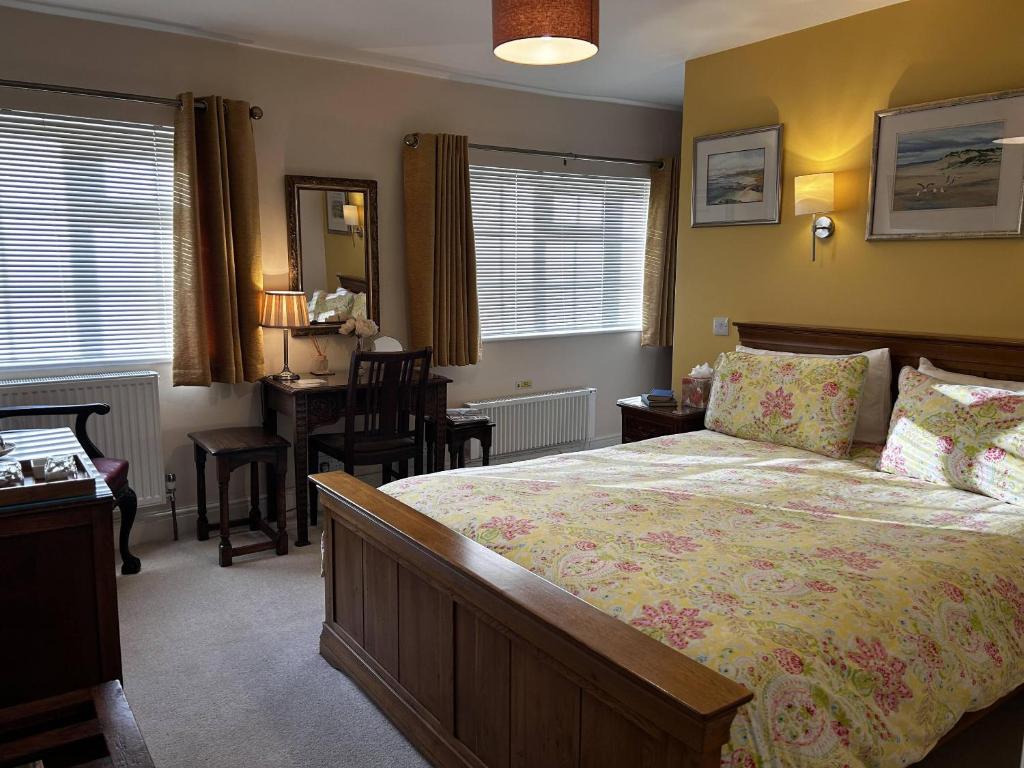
<point>456,435</point>
<point>640,422</point>
<point>232,448</point>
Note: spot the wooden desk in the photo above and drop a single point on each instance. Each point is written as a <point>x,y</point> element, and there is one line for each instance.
<point>58,604</point>
<point>312,407</point>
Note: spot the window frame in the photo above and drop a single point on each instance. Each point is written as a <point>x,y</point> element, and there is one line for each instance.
<point>159,237</point>
<point>546,167</point>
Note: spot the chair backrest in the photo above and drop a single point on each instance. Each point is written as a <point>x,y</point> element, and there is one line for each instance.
<point>388,389</point>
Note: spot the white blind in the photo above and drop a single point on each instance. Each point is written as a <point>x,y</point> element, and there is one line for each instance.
<point>557,253</point>
<point>85,241</point>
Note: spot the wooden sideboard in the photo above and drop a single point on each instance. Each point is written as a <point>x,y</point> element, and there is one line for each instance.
<point>58,602</point>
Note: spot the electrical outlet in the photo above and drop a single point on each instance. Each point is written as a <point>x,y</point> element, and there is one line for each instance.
<point>720,326</point>
<point>524,384</point>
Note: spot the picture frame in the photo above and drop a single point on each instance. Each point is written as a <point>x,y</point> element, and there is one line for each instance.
<point>941,170</point>
<point>336,201</point>
<point>737,178</point>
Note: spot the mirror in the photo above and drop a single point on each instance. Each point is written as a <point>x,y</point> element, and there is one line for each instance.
<point>332,239</point>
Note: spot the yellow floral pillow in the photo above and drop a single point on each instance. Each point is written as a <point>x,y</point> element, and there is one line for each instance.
<point>802,402</point>
<point>962,435</point>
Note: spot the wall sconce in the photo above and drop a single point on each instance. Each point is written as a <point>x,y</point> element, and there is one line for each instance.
<point>815,195</point>
<point>351,213</point>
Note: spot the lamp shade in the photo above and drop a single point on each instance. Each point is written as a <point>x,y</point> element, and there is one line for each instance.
<point>351,213</point>
<point>545,32</point>
<point>284,309</point>
<point>814,193</point>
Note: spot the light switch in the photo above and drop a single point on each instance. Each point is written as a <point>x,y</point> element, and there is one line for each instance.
<point>720,326</point>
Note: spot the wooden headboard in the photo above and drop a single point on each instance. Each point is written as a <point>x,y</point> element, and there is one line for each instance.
<point>991,358</point>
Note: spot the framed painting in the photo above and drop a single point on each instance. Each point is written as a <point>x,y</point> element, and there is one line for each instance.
<point>737,177</point>
<point>948,169</point>
<point>336,213</point>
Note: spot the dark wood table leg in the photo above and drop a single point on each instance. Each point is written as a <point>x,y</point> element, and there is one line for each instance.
<point>300,449</point>
<point>277,476</point>
<point>202,522</point>
<point>254,497</point>
<point>440,408</point>
<point>223,484</point>
<point>485,446</point>
<point>429,445</point>
<point>453,453</point>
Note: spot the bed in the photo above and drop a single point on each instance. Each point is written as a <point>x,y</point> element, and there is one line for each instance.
<point>688,571</point>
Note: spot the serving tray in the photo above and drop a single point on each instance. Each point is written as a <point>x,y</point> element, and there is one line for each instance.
<point>32,491</point>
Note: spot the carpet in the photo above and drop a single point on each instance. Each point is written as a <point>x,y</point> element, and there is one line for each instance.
<point>221,665</point>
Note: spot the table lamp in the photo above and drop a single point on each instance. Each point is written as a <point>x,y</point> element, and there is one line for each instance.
<point>287,310</point>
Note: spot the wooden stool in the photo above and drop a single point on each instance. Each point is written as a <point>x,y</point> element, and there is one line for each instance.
<point>456,436</point>
<point>232,448</point>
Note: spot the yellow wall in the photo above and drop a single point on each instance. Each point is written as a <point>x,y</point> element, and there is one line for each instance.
<point>825,84</point>
<point>344,255</point>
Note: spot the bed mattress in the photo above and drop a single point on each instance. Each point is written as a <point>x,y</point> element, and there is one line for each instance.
<point>866,612</point>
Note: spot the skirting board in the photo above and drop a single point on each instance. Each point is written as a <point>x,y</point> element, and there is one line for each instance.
<point>153,524</point>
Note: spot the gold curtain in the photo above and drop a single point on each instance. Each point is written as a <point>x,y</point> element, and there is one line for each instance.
<point>660,256</point>
<point>218,269</point>
<point>440,257</point>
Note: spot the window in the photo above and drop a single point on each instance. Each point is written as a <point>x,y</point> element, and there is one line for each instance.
<point>85,241</point>
<point>558,253</point>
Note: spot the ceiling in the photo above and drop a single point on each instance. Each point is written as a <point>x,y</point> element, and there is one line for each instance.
<point>643,42</point>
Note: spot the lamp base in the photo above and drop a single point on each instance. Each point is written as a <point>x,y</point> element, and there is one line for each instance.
<point>286,375</point>
<point>823,227</point>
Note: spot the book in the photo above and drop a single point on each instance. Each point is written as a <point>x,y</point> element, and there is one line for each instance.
<point>465,415</point>
<point>655,403</point>
<point>659,397</point>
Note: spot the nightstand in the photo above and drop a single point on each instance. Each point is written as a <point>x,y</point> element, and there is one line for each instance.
<point>641,423</point>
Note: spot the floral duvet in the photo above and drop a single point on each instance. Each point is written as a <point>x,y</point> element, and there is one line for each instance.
<point>866,612</point>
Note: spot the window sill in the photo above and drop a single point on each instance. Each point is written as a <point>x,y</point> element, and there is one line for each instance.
<point>39,371</point>
<point>557,335</point>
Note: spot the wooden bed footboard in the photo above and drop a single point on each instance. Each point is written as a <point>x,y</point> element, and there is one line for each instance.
<point>481,663</point>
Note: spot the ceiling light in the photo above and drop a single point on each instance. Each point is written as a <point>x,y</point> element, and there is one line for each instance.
<point>1010,140</point>
<point>545,32</point>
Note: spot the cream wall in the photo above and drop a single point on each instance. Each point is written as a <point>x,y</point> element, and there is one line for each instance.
<point>334,119</point>
<point>825,84</point>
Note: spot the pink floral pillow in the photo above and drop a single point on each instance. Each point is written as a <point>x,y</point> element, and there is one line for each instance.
<point>963,435</point>
<point>803,402</point>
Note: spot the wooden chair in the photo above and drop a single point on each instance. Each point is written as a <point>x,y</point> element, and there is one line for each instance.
<point>113,471</point>
<point>388,391</point>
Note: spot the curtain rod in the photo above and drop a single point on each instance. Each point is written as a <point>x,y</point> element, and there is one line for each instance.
<point>413,140</point>
<point>254,112</point>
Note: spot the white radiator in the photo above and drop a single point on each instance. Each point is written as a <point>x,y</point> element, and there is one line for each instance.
<point>541,420</point>
<point>130,431</point>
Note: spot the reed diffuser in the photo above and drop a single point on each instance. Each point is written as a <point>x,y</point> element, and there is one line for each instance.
<point>321,365</point>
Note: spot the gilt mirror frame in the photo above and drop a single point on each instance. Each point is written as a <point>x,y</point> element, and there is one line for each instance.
<point>368,187</point>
